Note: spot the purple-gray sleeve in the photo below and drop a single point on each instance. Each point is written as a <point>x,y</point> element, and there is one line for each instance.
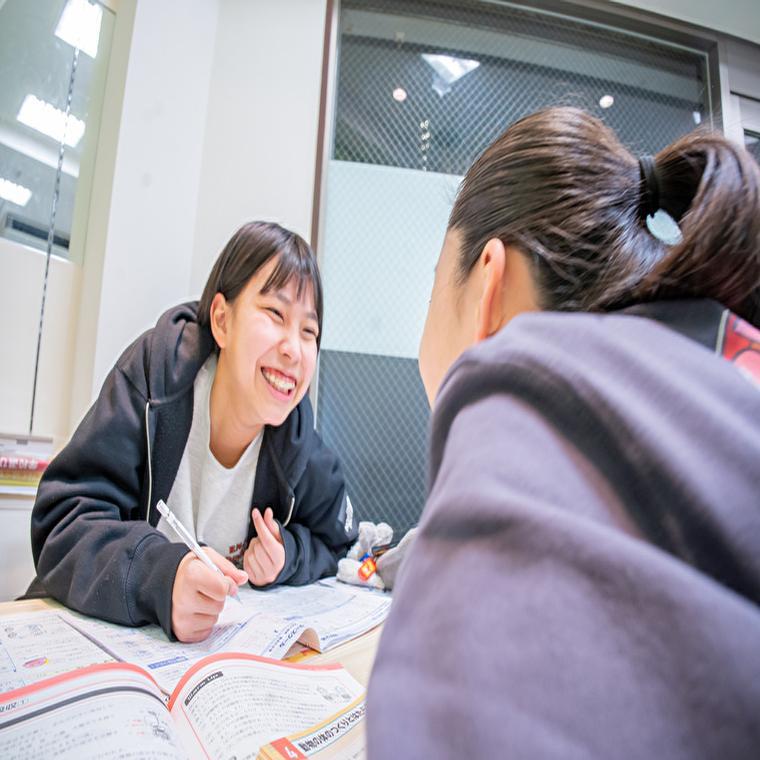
<point>531,620</point>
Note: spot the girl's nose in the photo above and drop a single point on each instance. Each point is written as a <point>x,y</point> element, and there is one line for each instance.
<point>290,346</point>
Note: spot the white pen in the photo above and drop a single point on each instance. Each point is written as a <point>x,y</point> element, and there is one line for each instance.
<point>189,541</point>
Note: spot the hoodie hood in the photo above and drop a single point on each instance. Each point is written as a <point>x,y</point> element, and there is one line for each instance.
<point>177,349</point>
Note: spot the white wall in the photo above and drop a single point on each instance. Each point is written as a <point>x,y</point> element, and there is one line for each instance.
<point>156,178</point>
<point>260,148</point>
<point>740,18</point>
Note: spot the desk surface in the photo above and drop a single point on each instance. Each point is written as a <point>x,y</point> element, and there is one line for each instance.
<point>356,656</point>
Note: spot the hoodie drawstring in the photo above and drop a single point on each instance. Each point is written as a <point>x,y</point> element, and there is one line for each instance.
<point>290,509</point>
<point>150,466</point>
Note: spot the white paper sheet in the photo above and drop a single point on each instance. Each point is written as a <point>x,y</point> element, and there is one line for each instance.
<point>332,613</point>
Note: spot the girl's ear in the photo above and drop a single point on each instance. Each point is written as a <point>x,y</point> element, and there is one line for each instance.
<point>219,319</point>
<point>490,278</point>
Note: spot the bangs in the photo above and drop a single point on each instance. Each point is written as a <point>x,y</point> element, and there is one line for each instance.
<point>296,262</point>
<point>253,246</point>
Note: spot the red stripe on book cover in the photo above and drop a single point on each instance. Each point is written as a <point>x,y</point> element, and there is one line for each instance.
<point>222,656</point>
<point>22,464</point>
<point>73,675</point>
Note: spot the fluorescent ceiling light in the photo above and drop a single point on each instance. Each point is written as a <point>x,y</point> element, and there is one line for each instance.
<point>449,68</point>
<point>399,94</point>
<point>606,101</point>
<point>46,118</point>
<point>79,25</point>
<point>14,193</point>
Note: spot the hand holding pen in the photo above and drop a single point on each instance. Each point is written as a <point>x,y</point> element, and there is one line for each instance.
<point>200,587</point>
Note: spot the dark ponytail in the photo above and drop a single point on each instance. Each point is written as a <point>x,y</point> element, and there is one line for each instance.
<point>712,188</point>
<point>559,186</point>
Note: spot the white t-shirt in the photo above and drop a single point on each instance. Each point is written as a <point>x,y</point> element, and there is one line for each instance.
<point>212,501</point>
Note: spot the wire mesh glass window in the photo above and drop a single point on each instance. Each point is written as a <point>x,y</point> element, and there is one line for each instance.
<point>422,89</point>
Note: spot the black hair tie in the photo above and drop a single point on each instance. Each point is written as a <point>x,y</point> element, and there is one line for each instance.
<point>650,186</point>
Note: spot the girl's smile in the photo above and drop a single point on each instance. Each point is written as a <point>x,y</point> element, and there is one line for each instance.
<point>281,384</point>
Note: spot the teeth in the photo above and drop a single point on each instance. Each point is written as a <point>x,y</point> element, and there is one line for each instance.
<point>279,382</point>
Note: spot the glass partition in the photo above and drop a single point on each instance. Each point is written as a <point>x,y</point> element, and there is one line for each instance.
<point>422,89</point>
<point>53,60</point>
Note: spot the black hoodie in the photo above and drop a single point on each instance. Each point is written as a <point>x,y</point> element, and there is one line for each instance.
<point>94,538</point>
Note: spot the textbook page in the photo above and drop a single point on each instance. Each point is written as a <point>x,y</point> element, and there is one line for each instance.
<point>329,614</point>
<point>230,705</point>
<point>37,645</point>
<point>340,737</point>
<point>101,712</point>
<point>167,660</point>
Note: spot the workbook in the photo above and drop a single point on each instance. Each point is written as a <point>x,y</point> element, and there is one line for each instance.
<point>225,706</point>
<point>268,623</point>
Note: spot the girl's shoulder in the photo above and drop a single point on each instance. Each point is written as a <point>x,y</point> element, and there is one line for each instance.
<point>579,345</point>
<point>619,367</point>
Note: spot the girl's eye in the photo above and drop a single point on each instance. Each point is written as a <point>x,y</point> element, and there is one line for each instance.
<point>310,333</point>
<point>275,312</point>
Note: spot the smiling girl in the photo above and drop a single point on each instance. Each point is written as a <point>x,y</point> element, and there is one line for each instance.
<point>207,411</point>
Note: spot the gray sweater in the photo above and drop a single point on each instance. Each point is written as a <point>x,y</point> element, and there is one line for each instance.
<point>586,578</point>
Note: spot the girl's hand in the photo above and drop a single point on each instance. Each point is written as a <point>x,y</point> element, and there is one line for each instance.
<point>265,555</point>
<point>198,594</point>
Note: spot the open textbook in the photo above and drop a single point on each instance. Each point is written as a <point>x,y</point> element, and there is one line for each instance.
<point>268,623</point>
<point>38,645</point>
<point>225,706</point>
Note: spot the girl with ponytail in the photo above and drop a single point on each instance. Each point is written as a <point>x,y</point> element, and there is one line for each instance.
<point>592,356</point>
